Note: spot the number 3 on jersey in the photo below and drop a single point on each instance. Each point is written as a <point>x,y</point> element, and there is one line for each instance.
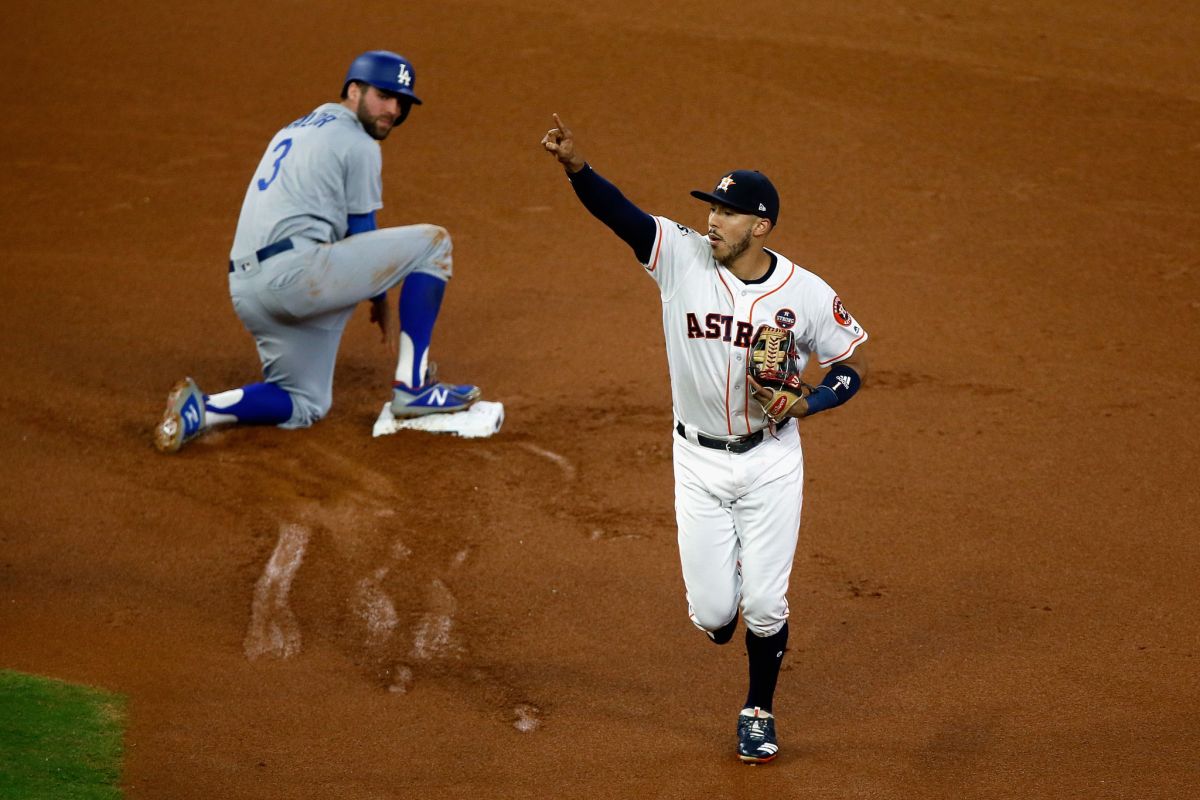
<point>286,144</point>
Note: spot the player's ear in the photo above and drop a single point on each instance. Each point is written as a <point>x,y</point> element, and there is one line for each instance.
<point>763,226</point>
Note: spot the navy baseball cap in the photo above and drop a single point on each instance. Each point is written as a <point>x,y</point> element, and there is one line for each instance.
<point>385,70</point>
<point>747,191</point>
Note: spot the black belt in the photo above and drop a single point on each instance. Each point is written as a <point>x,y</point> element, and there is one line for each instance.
<point>740,446</point>
<point>282,246</point>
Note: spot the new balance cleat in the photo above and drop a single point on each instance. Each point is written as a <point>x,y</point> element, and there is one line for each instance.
<point>756,736</point>
<point>432,398</point>
<point>184,418</point>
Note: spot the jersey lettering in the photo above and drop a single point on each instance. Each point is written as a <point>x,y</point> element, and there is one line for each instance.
<point>693,327</point>
<point>286,144</point>
<point>744,330</point>
<point>314,119</point>
<point>728,320</point>
<point>713,323</point>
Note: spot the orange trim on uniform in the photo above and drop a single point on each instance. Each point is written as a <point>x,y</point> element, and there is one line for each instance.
<point>728,419</point>
<point>848,349</point>
<point>658,249</point>
<point>751,321</point>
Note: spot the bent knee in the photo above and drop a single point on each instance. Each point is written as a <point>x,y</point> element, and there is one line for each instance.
<point>440,261</point>
<point>708,616</point>
<point>764,616</point>
<point>306,410</point>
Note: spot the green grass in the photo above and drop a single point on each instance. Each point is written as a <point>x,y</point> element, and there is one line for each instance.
<point>58,739</point>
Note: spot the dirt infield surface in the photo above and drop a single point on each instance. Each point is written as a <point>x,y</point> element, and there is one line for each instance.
<point>995,591</point>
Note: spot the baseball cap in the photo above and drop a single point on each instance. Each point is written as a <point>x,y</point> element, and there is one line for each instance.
<point>749,191</point>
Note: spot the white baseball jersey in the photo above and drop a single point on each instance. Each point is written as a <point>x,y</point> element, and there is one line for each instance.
<point>315,173</point>
<point>709,320</point>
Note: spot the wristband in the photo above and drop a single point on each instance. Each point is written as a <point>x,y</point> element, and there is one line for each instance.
<point>838,386</point>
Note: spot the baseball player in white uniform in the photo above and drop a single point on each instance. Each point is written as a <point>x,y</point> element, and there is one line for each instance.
<point>307,252</point>
<point>739,471</point>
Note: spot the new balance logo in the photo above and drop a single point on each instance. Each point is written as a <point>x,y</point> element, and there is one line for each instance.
<point>191,416</point>
<point>405,76</point>
<point>439,396</point>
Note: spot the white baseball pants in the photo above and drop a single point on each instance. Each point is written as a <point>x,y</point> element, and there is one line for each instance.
<point>739,521</point>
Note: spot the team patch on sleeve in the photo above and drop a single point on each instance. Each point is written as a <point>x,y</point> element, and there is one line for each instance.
<point>840,313</point>
<point>684,230</point>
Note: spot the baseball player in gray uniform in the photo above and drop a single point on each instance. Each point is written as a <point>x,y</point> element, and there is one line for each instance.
<point>307,252</point>
<point>730,306</point>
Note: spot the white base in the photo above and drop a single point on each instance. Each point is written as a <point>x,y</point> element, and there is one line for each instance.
<point>480,420</point>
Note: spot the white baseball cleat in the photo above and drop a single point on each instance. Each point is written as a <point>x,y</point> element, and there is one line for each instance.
<point>184,418</point>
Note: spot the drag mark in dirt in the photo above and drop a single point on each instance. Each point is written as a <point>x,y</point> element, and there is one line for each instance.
<point>567,467</point>
<point>274,631</point>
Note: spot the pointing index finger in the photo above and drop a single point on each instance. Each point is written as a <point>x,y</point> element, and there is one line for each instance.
<point>558,123</point>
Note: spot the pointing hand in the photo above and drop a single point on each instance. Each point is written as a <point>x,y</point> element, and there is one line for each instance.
<point>561,142</point>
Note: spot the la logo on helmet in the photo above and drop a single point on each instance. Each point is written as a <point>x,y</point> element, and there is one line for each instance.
<point>405,77</point>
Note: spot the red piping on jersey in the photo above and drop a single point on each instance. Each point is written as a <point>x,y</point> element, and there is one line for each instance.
<point>751,321</point>
<point>728,420</point>
<point>657,250</point>
<point>848,349</point>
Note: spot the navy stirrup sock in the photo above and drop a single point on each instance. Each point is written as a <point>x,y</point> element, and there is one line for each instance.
<point>766,656</point>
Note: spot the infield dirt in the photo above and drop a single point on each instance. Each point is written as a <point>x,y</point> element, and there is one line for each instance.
<point>994,594</point>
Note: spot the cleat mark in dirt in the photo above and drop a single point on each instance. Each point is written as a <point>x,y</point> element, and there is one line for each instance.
<point>273,630</point>
<point>431,636</point>
<point>527,719</point>
<point>403,680</point>
<point>375,608</point>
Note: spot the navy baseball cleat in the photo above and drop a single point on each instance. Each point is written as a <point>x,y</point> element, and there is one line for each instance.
<point>432,398</point>
<point>183,419</point>
<point>756,736</point>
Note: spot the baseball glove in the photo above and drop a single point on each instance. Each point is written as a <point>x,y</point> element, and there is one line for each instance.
<point>773,366</point>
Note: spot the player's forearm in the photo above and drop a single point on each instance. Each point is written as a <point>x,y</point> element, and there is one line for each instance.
<point>607,204</point>
<point>842,382</point>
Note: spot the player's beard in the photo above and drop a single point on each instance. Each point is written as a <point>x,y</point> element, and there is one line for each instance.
<point>371,124</point>
<point>737,248</point>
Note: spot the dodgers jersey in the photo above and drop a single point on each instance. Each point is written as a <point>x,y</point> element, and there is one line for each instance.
<point>709,320</point>
<point>315,173</point>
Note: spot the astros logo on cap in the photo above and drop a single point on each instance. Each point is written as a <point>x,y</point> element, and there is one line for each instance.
<point>725,183</point>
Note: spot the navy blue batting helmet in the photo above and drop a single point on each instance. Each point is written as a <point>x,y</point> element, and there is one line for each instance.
<point>385,70</point>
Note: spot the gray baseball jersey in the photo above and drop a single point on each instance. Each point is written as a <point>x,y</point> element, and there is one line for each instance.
<point>316,171</point>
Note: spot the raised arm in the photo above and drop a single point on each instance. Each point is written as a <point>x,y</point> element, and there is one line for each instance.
<point>601,198</point>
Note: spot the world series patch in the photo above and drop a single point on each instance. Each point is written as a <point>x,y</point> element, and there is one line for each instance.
<point>785,318</point>
<point>840,313</point>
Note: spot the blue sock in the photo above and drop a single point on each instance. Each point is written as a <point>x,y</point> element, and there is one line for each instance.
<point>256,404</point>
<point>420,301</point>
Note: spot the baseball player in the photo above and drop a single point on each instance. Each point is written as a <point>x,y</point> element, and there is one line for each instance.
<point>307,252</point>
<point>739,471</point>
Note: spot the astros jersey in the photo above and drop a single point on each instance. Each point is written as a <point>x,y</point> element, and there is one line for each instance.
<point>710,317</point>
<point>316,171</point>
